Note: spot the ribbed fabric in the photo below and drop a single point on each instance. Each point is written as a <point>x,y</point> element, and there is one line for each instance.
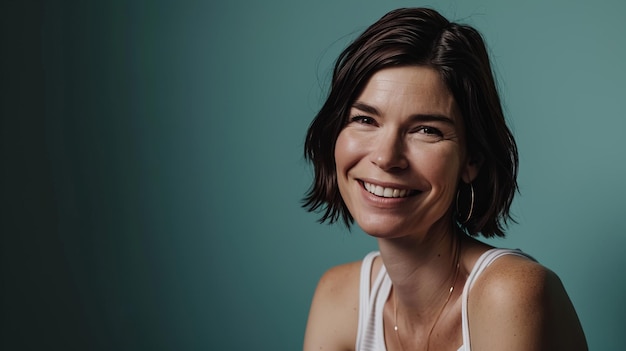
<point>370,334</point>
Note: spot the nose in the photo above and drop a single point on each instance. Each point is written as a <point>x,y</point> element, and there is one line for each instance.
<point>389,153</point>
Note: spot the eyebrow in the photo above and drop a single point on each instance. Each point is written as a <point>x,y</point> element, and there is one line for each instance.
<point>419,117</point>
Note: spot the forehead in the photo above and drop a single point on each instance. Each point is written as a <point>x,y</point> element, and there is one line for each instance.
<point>413,89</point>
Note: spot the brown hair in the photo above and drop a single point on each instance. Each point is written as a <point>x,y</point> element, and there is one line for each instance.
<point>419,36</point>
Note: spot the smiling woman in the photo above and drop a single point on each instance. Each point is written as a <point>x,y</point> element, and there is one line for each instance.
<point>412,144</point>
<point>405,136</point>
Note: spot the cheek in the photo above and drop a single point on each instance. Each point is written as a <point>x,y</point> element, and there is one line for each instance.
<point>443,166</point>
<point>347,152</point>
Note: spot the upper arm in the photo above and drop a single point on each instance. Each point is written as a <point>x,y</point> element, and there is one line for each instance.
<point>333,316</point>
<point>521,305</point>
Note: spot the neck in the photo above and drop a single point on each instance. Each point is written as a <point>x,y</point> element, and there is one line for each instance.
<point>411,262</point>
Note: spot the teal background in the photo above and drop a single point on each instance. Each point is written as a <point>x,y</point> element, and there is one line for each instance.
<point>152,164</point>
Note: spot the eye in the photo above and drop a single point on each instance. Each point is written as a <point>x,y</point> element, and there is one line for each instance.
<point>429,131</point>
<point>363,120</point>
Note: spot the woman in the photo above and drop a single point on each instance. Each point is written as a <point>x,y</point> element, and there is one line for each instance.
<point>412,144</point>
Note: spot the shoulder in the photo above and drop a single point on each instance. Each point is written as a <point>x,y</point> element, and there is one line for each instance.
<point>518,304</point>
<point>333,317</point>
<point>339,284</point>
<point>513,275</point>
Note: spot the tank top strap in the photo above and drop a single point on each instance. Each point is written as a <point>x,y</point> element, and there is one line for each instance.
<point>367,264</point>
<point>481,264</point>
<point>369,301</point>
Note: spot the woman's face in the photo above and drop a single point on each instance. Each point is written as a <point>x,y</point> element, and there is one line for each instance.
<point>401,155</point>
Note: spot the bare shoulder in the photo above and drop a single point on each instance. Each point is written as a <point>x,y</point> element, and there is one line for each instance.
<point>512,274</point>
<point>518,304</point>
<point>333,317</point>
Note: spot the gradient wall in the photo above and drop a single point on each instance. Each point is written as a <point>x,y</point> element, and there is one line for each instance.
<point>152,168</point>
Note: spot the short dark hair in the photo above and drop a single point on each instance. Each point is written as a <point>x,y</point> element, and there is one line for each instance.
<point>421,37</point>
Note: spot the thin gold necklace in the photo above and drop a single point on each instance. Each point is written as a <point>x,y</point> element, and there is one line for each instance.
<point>395,303</point>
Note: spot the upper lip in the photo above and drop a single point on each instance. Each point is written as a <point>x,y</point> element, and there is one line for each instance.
<point>386,184</point>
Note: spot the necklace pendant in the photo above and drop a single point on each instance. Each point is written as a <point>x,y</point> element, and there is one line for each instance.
<point>395,327</point>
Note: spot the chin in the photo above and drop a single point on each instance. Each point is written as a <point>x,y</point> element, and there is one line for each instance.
<point>381,229</point>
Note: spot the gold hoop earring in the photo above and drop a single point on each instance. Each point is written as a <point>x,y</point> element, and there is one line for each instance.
<point>471,209</point>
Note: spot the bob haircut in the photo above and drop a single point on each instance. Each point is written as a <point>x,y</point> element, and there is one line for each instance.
<point>421,37</point>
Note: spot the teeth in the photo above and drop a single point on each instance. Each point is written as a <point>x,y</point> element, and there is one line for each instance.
<point>385,192</point>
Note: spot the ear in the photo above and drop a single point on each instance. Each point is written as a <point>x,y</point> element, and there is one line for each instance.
<point>471,169</point>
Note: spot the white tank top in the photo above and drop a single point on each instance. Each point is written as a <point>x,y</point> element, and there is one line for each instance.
<point>370,334</point>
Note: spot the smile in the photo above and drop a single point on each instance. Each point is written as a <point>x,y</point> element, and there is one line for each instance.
<point>387,192</point>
